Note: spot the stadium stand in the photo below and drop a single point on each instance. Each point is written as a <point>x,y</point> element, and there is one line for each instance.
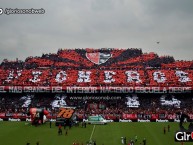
<point>116,83</point>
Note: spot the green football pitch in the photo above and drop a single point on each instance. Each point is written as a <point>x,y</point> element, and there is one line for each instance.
<point>19,133</point>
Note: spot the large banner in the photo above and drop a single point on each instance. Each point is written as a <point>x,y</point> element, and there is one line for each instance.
<point>97,80</point>
<point>82,90</point>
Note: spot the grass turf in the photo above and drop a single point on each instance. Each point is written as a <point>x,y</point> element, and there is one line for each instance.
<point>18,133</point>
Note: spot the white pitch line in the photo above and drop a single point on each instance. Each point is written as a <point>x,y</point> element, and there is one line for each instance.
<point>92,132</point>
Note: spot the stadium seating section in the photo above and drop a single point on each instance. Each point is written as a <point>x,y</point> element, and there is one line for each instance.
<point>46,68</point>
<point>111,109</point>
<point>98,67</point>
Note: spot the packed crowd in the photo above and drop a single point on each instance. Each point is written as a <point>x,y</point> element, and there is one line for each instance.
<point>45,69</point>
<point>77,58</point>
<point>148,69</point>
<point>148,104</point>
<point>112,77</point>
<point>69,77</point>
